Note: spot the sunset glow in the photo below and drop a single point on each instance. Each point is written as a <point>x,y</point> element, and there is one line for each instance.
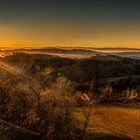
<point>70,24</point>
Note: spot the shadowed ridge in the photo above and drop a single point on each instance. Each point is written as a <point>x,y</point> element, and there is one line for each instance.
<point>12,132</point>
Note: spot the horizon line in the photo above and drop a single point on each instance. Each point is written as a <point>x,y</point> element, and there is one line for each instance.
<point>74,47</point>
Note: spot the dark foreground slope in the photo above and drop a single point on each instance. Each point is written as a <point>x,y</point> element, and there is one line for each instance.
<point>12,132</point>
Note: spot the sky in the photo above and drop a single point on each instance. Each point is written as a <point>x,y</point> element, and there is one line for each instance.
<point>70,23</point>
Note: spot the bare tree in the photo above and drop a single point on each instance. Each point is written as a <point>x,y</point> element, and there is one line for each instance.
<point>87,111</point>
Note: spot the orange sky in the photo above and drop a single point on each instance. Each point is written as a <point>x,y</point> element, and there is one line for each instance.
<point>75,23</point>
<point>69,34</point>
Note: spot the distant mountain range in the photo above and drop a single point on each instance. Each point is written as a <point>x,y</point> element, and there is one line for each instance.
<point>78,52</point>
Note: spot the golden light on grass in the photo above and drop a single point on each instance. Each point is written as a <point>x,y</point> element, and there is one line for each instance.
<point>113,120</point>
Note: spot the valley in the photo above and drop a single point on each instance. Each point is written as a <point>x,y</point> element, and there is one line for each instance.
<point>97,94</point>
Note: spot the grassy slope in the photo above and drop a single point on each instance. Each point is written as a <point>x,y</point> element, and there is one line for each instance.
<point>117,121</point>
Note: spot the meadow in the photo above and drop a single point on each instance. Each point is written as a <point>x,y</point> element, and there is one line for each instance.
<point>122,122</point>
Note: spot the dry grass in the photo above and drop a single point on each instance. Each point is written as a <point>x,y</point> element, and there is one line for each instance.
<point>113,120</point>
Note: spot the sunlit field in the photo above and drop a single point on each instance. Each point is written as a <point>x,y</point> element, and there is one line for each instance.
<point>109,120</point>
